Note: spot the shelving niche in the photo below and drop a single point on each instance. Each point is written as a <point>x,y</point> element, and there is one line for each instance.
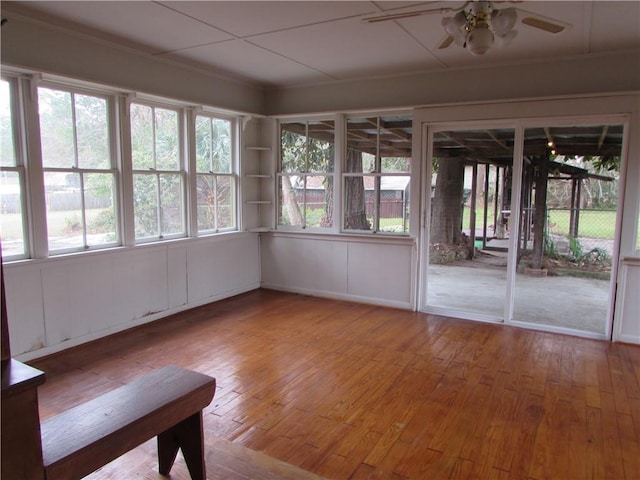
<point>258,175</point>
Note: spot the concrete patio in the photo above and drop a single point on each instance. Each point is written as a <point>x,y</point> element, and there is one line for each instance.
<point>562,301</point>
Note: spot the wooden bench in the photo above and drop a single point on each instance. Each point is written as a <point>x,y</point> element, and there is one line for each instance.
<point>167,403</point>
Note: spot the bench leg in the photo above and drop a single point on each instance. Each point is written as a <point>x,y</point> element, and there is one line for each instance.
<point>188,436</point>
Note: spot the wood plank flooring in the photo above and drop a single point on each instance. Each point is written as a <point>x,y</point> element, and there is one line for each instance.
<point>352,391</point>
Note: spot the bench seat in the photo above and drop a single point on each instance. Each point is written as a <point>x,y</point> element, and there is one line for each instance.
<point>167,403</point>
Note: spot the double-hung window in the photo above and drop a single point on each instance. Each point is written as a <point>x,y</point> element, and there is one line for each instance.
<point>12,177</point>
<point>158,172</point>
<point>78,166</point>
<point>305,178</point>
<point>215,178</point>
<point>376,175</point>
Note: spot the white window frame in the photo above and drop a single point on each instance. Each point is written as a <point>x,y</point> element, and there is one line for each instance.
<point>26,131</point>
<point>332,175</point>
<point>113,155</point>
<point>376,174</point>
<point>17,126</point>
<point>194,173</point>
<point>181,172</point>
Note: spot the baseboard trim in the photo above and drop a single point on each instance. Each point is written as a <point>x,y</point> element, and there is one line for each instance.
<point>74,342</point>
<point>340,296</point>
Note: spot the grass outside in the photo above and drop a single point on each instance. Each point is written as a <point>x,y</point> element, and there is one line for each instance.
<point>391,224</point>
<point>58,223</point>
<point>592,223</point>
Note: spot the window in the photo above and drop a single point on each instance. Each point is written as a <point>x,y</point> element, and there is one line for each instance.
<point>78,166</point>
<point>305,180</point>
<point>158,176</point>
<point>12,199</point>
<point>215,180</point>
<point>376,175</point>
<point>84,188</point>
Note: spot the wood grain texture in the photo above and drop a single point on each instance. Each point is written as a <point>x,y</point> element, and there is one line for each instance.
<point>85,437</point>
<point>346,390</point>
<point>5,344</point>
<point>21,451</point>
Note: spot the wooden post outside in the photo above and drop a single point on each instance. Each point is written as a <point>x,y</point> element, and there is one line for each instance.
<point>472,213</point>
<point>540,211</point>
<point>574,204</point>
<point>576,220</point>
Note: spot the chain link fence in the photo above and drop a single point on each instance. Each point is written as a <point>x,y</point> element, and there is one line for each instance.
<point>591,228</point>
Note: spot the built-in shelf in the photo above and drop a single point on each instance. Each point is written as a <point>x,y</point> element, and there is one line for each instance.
<point>259,175</point>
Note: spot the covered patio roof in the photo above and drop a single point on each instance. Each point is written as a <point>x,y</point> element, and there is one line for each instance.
<point>494,146</point>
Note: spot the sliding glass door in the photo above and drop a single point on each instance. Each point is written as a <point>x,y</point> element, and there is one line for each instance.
<point>469,228</point>
<point>524,230</point>
<point>567,228</point>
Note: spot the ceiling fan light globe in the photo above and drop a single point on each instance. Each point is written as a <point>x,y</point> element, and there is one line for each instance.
<point>460,38</point>
<point>479,41</point>
<point>480,7</point>
<point>459,20</point>
<point>502,21</point>
<point>447,24</point>
<point>504,40</point>
<point>453,25</point>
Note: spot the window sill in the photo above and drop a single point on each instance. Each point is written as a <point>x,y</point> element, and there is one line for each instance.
<point>346,237</point>
<point>630,261</point>
<point>124,249</point>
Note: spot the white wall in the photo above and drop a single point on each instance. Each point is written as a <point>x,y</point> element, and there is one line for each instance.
<point>29,44</point>
<point>628,328</point>
<point>378,270</point>
<point>64,301</point>
<point>613,72</point>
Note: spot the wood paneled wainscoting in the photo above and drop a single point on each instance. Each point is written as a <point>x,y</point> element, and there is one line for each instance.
<point>354,391</point>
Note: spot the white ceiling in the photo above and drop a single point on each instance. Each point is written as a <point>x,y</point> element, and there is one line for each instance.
<point>303,42</point>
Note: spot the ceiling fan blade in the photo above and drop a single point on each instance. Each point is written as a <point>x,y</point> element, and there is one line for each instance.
<point>543,25</point>
<point>447,41</point>
<point>395,16</point>
<point>413,13</point>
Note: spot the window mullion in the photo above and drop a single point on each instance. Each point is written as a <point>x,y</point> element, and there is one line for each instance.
<point>74,126</point>
<point>304,201</point>
<point>127,208</point>
<point>210,125</point>
<point>376,187</point>
<point>378,165</point>
<point>307,168</point>
<point>158,204</point>
<point>307,147</point>
<point>34,179</point>
<point>376,211</point>
<point>216,212</point>
<point>338,171</point>
<point>155,138</point>
<point>83,211</point>
<point>191,181</point>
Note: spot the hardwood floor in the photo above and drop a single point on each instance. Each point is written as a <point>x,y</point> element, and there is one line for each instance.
<point>352,391</point>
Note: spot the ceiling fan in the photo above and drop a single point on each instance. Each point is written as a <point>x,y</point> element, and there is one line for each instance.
<point>478,25</point>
